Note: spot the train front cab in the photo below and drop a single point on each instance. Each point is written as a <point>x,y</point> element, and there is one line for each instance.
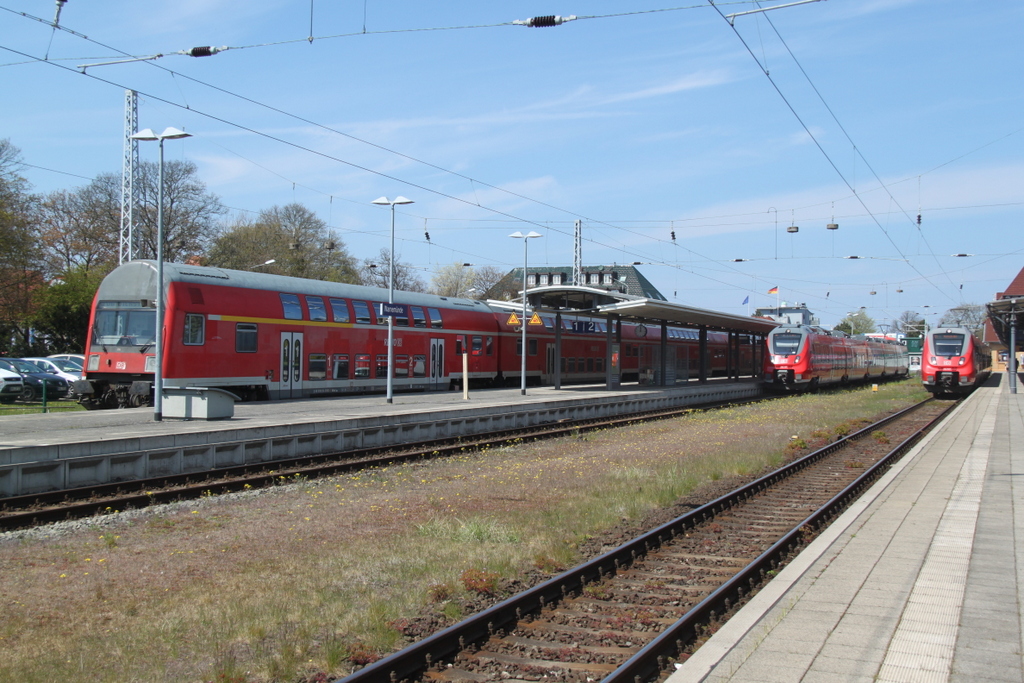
<point>949,362</point>
<point>787,365</point>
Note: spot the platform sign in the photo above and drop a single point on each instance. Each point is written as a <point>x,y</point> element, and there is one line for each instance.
<point>513,319</point>
<point>535,320</point>
<point>387,310</point>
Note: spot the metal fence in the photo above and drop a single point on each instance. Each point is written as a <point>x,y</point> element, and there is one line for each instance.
<point>34,407</point>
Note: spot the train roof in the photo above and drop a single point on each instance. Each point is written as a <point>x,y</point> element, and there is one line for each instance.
<point>129,279</point>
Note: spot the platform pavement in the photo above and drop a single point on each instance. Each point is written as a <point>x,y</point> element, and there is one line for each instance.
<point>80,426</point>
<point>921,580</point>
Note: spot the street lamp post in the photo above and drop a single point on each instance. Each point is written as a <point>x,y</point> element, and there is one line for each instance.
<point>384,201</point>
<point>158,374</point>
<point>526,241</point>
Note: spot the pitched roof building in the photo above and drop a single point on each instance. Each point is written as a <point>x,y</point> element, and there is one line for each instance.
<point>1014,290</point>
<point>617,278</point>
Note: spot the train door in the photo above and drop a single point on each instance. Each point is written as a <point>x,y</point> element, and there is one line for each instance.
<point>437,377</point>
<point>549,364</point>
<point>291,365</point>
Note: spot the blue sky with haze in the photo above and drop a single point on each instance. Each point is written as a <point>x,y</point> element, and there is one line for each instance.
<point>639,119</point>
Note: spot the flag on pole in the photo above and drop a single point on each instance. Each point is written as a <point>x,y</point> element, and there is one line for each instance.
<point>746,301</point>
<point>773,290</point>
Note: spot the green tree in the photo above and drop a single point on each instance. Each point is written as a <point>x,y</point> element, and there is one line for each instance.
<point>857,322</point>
<point>61,310</point>
<point>454,279</point>
<point>20,257</point>
<point>299,243</point>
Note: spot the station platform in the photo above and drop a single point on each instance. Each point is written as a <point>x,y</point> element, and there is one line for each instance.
<point>921,580</point>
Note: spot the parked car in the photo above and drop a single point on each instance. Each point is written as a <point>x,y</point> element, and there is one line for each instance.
<point>35,379</point>
<point>58,366</point>
<point>73,357</point>
<point>11,385</point>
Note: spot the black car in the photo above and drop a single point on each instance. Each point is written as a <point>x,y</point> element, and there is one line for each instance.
<point>34,378</point>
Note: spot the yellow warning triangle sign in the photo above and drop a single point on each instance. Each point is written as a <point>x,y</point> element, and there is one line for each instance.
<point>535,320</point>
<point>512,319</point>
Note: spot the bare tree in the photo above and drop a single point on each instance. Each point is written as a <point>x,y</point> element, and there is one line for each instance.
<point>971,316</point>
<point>377,273</point>
<point>484,278</point>
<point>909,324</point>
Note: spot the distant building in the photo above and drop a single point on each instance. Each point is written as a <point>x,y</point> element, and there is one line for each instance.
<point>615,278</point>
<point>796,314</point>
<point>989,336</point>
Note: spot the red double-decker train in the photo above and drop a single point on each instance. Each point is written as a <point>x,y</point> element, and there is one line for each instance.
<point>806,357</point>
<point>953,361</point>
<point>267,336</point>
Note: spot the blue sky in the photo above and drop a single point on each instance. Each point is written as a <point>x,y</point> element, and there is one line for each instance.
<point>639,119</point>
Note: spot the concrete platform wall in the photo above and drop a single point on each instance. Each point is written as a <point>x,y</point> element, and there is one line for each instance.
<point>36,469</point>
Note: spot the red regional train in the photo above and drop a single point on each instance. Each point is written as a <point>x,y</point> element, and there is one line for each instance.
<point>267,336</point>
<point>953,361</point>
<point>805,357</point>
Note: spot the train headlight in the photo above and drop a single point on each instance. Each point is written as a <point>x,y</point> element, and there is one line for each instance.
<point>963,359</point>
<point>933,360</point>
<point>796,359</point>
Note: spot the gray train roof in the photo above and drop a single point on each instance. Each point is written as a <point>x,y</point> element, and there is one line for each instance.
<point>603,303</point>
<point>127,281</point>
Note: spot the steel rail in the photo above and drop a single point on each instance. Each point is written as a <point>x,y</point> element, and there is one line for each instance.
<point>413,660</point>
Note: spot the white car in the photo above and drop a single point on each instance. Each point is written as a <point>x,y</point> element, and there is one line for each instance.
<point>73,357</point>
<point>11,386</point>
<point>70,371</point>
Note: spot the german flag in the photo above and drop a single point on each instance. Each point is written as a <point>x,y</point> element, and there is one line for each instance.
<point>773,290</point>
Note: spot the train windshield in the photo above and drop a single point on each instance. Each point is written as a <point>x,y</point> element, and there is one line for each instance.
<point>947,344</point>
<point>121,323</point>
<point>786,343</point>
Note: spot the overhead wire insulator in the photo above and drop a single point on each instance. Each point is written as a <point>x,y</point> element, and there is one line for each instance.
<point>549,20</point>
<point>204,51</point>
<point>427,235</point>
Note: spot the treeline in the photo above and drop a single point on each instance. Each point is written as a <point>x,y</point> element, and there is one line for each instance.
<point>56,248</point>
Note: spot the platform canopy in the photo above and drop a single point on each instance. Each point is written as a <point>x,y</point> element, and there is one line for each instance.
<point>1006,315</point>
<point>601,303</point>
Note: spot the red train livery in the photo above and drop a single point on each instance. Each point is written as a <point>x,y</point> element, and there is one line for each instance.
<point>953,361</point>
<point>806,357</point>
<point>269,337</point>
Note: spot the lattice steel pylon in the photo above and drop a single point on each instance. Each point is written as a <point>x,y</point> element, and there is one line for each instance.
<point>129,175</point>
<point>577,255</point>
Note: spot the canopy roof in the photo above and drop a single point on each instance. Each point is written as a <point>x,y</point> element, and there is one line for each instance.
<point>603,303</point>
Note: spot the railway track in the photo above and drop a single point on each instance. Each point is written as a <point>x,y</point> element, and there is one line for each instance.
<point>17,512</point>
<point>625,616</point>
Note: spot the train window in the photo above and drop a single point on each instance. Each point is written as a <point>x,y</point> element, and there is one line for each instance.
<point>245,338</point>
<point>786,343</point>
<point>292,307</point>
<point>460,345</point>
<point>362,365</point>
<point>581,364</point>
<point>478,345</point>
<point>382,366</point>
<point>402,366</point>
<point>490,346</point>
<point>339,310</point>
<point>571,364</point>
<point>599,365</point>
<point>124,324</point>
<point>533,347</point>
<point>564,364</point>
<point>340,366</point>
<point>419,366</point>
<point>435,317</point>
<point>590,365</point>
<point>195,324</point>
<point>947,344</point>
<point>362,311</point>
<point>402,320</point>
<point>317,366</point>
<point>519,346</point>
<point>381,320</point>
<point>419,319</point>
<point>549,323</point>
<point>317,311</point>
